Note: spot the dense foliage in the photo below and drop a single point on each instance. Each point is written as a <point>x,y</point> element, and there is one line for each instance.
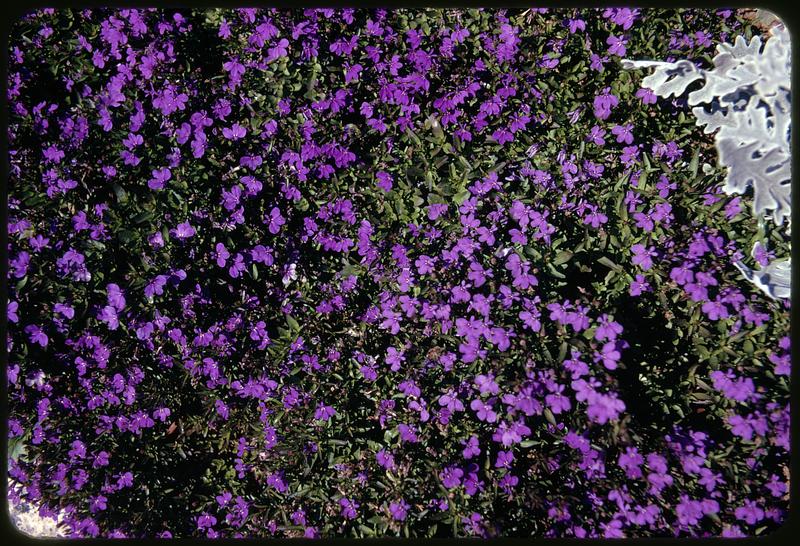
<point>366,273</point>
<point>746,104</point>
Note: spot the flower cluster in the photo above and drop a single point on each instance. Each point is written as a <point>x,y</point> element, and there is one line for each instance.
<point>360,273</point>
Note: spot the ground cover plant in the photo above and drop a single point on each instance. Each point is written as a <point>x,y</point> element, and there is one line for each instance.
<point>363,273</point>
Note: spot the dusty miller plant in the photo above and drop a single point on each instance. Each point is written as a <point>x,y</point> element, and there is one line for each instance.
<point>746,100</point>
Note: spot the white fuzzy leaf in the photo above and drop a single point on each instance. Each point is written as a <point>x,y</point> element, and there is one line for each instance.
<point>775,280</point>
<point>768,173</point>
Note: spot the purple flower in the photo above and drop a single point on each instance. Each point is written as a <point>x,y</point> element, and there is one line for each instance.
<point>486,384</point>
<point>20,264</point>
<point>78,450</point>
<point>407,433</point>
<point>221,254</point>
<point>574,25</point>
<point>38,243</point>
<point>556,401</point>
<point>609,355</point>
<point>281,49</point>
<point>597,62</point>
<point>234,132</point>
<point>36,335</point>
<point>399,509</point>
<point>206,521</point>
<point>162,414</point>
<point>235,68</point>
<point>451,477</point>
<point>183,231</point>
<point>125,480</point>
<point>348,508</point>
<point>384,180</point>
<point>607,329</point>
<point>450,401</point>
<point>612,529</point>
<point>109,315</point>
<point>483,411</point>
<point>222,409</point>
<point>624,133</point>
<point>647,96</point>
<point>276,220</point>
<point>53,154</point>
<point>631,461</point>
<point>595,218</point>
<point>276,481</point>
<point>596,135</point>
<point>471,448</point>
<point>97,503</point>
<point>156,240</point>
<point>116,297</point>
<point>624,17</point>
<point>324,413</point>
<point>424,264</point>
<point>603,408</point>
<point>737,389</point>
<point>504,459</point>
<point>741,427</point>
<point>751,513</point>
<point>604,103</point>
<point>259,333</point>
<point>776,487</point>
<point>11,311</point>
<point>435,211</point>
<point>352,72</point>
<point>394,358</point>
<point>616,45</point>
<point>385,459</point>
<point>715,310</point>
<point>159,179</point>
<point>100,460</point>
<point>231,198</point>
<point>642,256</point>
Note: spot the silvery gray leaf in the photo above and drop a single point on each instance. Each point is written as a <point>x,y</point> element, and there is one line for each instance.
<point>775,280</point>
<point>768,173</point>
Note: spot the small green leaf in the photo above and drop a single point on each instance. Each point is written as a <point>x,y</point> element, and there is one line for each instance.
<point>609,264</point>
<point>695,162</point>
<point>120,192</point>
<point>562,257</point>
<point>142,217</point>
<point>293,324</point>
<point>461,196</point>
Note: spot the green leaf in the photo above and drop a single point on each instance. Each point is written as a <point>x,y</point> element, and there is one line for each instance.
<point>562,257</point>
<point>126,236</point>
<point>142,217</point>
<point>21,284</point>
<point>293,324</point>
<point>609,264</point>
<point>695,162</point>
<point>554,272</point>
<point>461,196</point>
<point>16,447</point>
<point>120,192</point>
